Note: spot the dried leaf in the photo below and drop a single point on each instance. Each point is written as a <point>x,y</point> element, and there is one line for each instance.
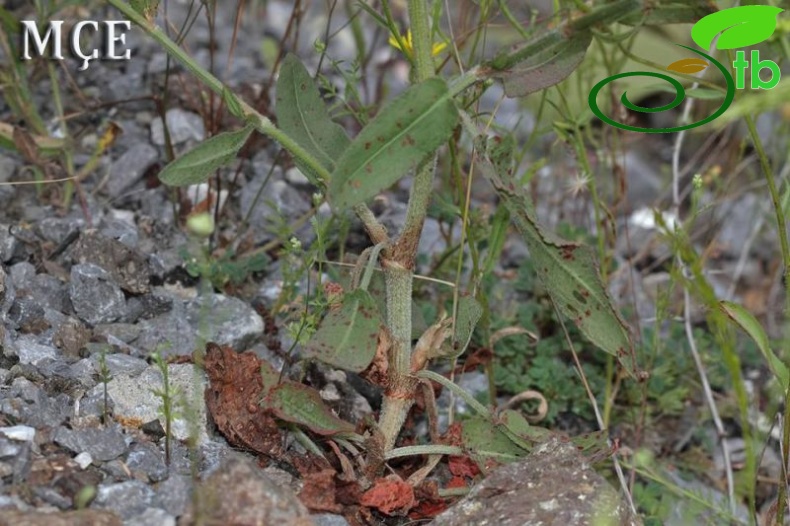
<point>232,400</point>
<point>390,495</point>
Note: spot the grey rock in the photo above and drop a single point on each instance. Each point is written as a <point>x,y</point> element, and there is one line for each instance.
<point>130,167</point>
<point>83,372</point>
<point>26,312</point>
<point>119,364</point>
<point>126,499</point>
<point>7,293</point>
<point>328,519</point>
<point>170,334</point>
<point>125,265</point>
<point>30,352</point>
<point>554,485</point>
<point>121,231</point>
<point>103,444</point>
<point>146,307</point>
<point>225,320</point>
<point>93,404</point>
<point>148,459</point>
<point>150,517</point>
<point>8,243</point>
<point>182,125</point>
<point>96,297</point>
<point>133,397</point>
<point>174,494</point>
<point>116,471</point>
<point>15,458</point>
<point>124,332</point>
<point>224,495</point>
<point>56,229</point>
<point>22,275</point>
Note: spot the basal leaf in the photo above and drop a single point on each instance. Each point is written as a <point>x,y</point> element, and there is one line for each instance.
<point>568,270</point>
<point>302,405</point>
<point>301,113</point>
<point>198,164</point>
<point>548,66</point>
<point>347,337</point>
<point>740,26</point>
<point>405,132</point>
<point>486,442</point>
<point>749,323</point>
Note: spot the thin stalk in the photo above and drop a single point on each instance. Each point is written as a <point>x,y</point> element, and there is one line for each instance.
<point>782,227</point>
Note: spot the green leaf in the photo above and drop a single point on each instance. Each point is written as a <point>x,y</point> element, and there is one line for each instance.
<point>485,442</point>
<point>547,66</point>
<point>269,376</point>
<point>301,114</point>
<point>749,323</point>
<point>347,337</point>
<point>198,164</point>
<point>302,405</point>
<point>404,133</point>
<point>469,313</point>
<point>568,270</point>
<point>740,26</point>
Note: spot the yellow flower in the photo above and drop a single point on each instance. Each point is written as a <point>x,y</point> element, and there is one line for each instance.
<point>438,47</point>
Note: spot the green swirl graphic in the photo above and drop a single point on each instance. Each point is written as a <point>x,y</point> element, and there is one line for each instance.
<point>680,94</point>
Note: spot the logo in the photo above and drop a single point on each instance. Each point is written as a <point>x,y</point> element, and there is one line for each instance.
<point>739,27</point>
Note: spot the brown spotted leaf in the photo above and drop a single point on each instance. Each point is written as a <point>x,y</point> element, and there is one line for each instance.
<point>405,132</point>
<point>548,66</point>
<point>688,65</point>
<point>347,337</point>
<point>568,270</point>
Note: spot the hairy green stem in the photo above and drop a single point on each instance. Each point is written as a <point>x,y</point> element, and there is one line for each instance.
<point>398,270</point>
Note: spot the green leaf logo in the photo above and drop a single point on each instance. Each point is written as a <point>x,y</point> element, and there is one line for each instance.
<point>740,26</point>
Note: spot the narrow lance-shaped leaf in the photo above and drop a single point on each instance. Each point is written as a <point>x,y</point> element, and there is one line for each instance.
<point>568,270</point>
<point>739,26</point>
<point>347,337</point>
<point>749,323</point>
<point>302,405</point>
<point>301,114</point>
<point>198,164</point>
<point>405,131</point>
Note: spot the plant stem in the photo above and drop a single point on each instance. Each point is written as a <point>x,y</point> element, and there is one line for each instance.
<point>399,261</point>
